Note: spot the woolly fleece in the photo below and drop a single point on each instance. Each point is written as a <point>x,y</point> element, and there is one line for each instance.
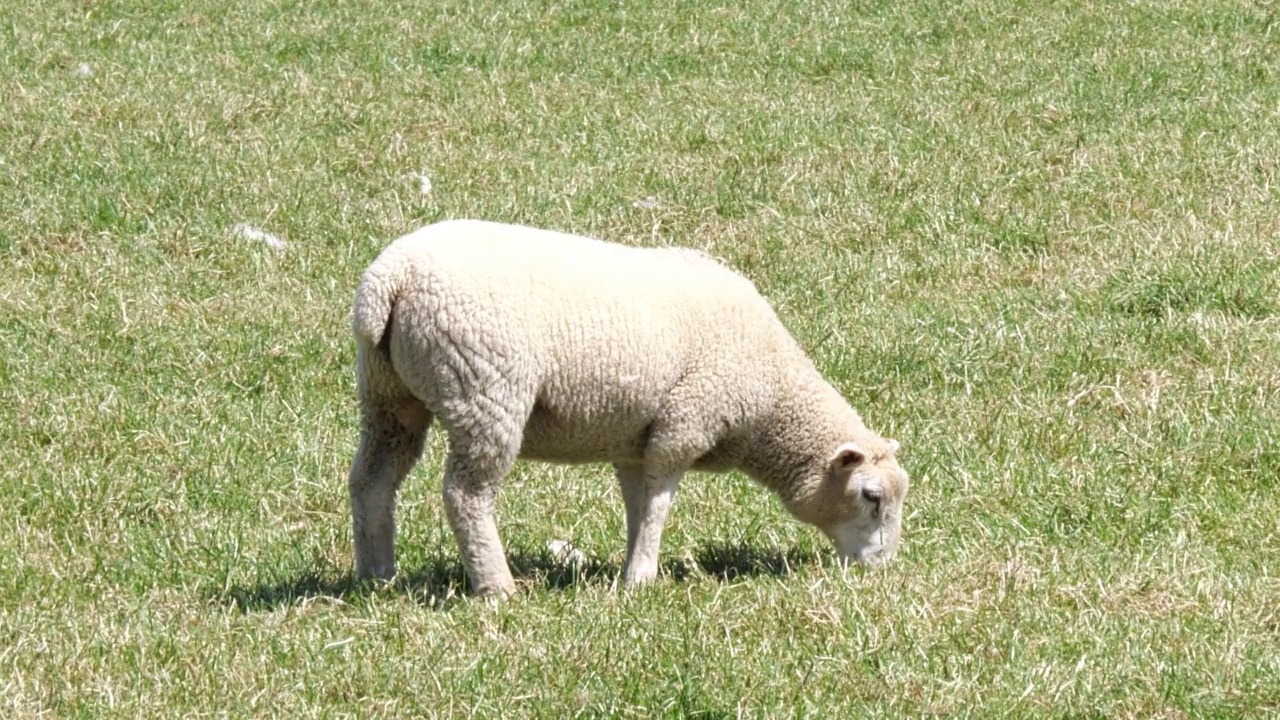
<point>535,344</point>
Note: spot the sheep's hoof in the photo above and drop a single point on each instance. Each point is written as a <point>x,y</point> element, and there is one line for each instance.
<point>500,591</point>
<point>373,583</point>
<point>638,583</point>
<point>373,574</point>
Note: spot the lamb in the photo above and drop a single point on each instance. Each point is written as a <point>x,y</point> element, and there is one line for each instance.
<point>539,345</point>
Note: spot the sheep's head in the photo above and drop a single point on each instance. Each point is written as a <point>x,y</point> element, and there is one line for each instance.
<point>857,501</point>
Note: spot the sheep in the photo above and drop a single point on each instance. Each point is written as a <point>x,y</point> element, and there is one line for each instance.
<point>535,344</point>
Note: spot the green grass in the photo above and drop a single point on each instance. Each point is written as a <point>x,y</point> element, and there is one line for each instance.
<point>1036,242</point>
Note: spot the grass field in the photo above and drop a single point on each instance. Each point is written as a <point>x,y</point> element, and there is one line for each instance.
<point>1039,243</point>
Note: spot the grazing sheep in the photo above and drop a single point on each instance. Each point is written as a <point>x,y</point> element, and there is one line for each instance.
<point>535,344</point>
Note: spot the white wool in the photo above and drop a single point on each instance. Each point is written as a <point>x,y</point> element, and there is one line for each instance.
<point>542,345</point>
<point>249,232</point>
<point>563,552</point>
<point>423,180</point>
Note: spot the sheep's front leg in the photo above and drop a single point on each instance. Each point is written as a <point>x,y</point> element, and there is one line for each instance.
<point>391,440</point>
<point>648,500</point>
<point>470,497</point>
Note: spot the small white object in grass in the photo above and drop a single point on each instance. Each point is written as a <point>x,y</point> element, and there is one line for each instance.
<point>424,182</point>
<point>339,643</point>
<point>249,232</point>
<point>84,70</point>
<point>565,553</point>
<point>649,203</point>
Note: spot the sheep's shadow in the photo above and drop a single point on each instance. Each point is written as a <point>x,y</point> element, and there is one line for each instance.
<point>440,582</point>
<point>726,562</point>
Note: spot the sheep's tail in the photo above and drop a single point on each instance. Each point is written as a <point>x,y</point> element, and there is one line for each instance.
<point>376,296</point>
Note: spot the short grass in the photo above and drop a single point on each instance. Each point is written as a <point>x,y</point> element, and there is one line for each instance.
<point>1039,243</point>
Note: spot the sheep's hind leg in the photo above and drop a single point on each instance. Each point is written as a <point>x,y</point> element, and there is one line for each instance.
<point>648,500</point>
<point>470,496</point>
<point>391,440</point>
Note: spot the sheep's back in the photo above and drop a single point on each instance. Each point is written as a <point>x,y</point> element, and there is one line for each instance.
<point>594,336</point>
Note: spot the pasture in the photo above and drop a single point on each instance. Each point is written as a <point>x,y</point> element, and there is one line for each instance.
<point>1038,243</point>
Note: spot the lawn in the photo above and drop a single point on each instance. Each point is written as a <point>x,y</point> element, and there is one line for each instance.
<point>1038,243</point>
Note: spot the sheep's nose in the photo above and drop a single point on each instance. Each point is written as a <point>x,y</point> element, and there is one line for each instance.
<point>872,494</point>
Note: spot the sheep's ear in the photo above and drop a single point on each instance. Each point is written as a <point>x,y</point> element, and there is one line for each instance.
<point>847,456</point>
<point>894,446</point>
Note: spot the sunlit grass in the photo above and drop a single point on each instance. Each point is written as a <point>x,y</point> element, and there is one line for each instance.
<point>1035,243</point>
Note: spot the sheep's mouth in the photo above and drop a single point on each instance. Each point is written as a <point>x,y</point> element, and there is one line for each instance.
<point>865,545</point>
<point>876,555</point>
